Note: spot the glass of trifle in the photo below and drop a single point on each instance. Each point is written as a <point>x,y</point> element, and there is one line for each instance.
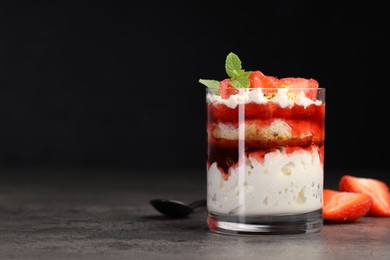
<point>265,152</point>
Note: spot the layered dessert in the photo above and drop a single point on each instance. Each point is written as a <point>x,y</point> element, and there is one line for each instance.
<point>265,144</point>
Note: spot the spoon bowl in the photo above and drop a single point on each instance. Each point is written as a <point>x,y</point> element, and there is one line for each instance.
<point>175,208</point>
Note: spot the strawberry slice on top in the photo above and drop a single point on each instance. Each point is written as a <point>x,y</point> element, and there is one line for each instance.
<point>340,206</point>
<point>301,83</point>
<point>259,80</point>
<point>268,83</point>
<point>226,90</point>
<point>374,188</point>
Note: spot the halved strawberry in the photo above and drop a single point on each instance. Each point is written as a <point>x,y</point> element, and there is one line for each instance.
<point>301,83</point>
<point>226,90</point>
<point>376,189</point>
<point>342,206</point>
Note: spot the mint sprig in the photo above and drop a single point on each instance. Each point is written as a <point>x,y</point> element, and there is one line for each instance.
<point>213,85</point>
<point>239,78</point>
<point>242,81</point>
<point>233,66</point>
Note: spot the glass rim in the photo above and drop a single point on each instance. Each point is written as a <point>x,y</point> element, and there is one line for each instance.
<point>319,88</point>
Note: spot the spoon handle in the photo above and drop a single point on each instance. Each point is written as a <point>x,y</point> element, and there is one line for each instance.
<point>198,203</point>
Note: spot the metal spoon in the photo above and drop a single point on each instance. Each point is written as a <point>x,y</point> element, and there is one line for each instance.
<point>175,208</point>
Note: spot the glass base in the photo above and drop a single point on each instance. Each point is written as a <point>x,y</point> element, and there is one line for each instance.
<point>284,224</point>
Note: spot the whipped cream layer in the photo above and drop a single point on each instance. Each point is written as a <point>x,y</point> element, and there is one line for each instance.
<point>256,96</point>
<point>283,184</point>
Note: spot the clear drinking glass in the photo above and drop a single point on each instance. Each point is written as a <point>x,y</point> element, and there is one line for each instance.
<point>265,161</point>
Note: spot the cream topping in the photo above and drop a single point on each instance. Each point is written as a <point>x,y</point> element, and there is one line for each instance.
<point>282,98</point>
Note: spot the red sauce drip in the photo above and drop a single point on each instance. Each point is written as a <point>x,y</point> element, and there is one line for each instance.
<point>225,157</point>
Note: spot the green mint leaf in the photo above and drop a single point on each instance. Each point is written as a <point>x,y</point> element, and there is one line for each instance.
<point>242,81</point>
<point>239,77</point>
<point>213,85</point>
<point>233,66</point>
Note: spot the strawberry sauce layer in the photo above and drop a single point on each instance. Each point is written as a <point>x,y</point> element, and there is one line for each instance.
<point>222,113</point>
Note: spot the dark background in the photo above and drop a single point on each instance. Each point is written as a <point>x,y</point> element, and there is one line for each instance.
<point>114,85</point>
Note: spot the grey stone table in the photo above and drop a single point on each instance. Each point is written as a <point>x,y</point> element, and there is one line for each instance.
<point>106,215</point>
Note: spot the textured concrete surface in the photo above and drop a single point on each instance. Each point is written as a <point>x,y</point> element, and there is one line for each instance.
<point>106,215</point>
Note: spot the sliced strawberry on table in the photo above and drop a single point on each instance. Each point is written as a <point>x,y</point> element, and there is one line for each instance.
<point>376,189</point>
<point>226,90</point>
<point>301,84</point>
<point>341,206</point>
